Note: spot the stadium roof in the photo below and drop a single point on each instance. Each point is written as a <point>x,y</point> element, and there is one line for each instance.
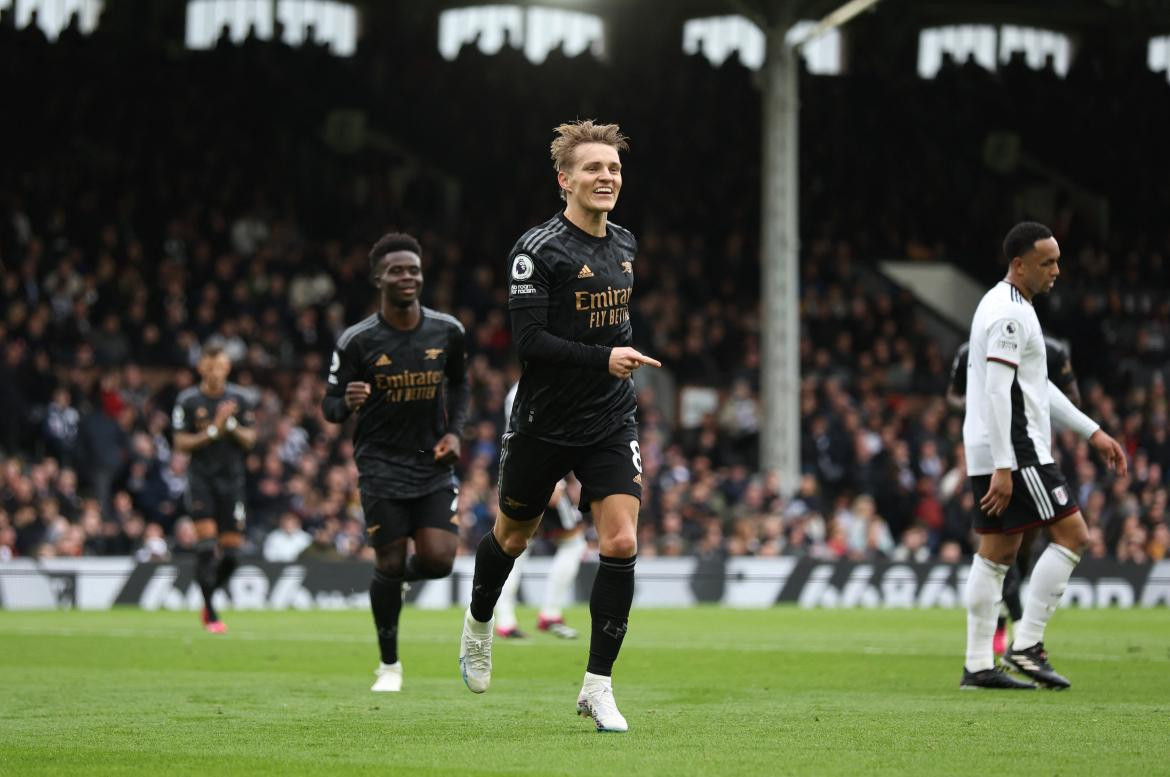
<point>1144,16</point>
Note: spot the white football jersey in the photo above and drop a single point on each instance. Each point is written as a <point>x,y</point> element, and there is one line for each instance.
<point>1005,329</point>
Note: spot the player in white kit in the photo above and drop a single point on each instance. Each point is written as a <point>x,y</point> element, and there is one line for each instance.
<point>1011,405</point>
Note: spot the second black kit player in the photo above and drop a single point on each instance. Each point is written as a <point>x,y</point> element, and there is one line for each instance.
<point>402,372</point>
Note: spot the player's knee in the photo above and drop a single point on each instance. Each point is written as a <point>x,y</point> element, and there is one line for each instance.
<point>1076,541</point>
<point>1004,557</point>
<point>1072,534</point>
<point>514,543</point>
<point>622,544</point>
<point>438,567</point>
<point>390,566</point>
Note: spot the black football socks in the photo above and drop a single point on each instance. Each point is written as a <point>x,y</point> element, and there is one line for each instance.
<point>227,565</point>
<point>386,604</point>
<point>492,567</point>
<point>205,574</point>
<point>609,607</point>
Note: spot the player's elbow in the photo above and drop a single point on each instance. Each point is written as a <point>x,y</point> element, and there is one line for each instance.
<point>525,350</point>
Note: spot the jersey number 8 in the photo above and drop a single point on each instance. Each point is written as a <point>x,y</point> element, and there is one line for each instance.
<point>637,457</point>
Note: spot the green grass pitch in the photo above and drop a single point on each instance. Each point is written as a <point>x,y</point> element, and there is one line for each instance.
<point>706,692</point>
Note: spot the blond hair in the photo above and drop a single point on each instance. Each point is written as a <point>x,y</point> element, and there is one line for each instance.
<point>576,133</point>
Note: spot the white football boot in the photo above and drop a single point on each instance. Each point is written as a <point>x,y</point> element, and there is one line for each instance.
<point>389,678</point>
<point>596,701</point>
<point>475,653</point>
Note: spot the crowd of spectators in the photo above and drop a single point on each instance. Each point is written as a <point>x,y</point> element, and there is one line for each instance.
<point>143,219</point>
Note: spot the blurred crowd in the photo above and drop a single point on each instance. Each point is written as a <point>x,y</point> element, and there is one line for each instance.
<point>164,199</point>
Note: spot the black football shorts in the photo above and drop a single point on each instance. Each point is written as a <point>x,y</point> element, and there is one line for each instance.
<point>1040,496</point>
<point>392,519</point>
<point>530,469</point>
<point>222,503</point>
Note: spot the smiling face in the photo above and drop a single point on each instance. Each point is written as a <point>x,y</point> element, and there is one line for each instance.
<point>399,277</point>
<point>1036,270</point>
<point>593,179</point>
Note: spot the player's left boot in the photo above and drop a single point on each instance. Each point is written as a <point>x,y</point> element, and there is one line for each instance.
<point>389,678</point>
<point>475,653</point>
<point>556,626</point>
<point>1033,662</point>
<point>596,701</point>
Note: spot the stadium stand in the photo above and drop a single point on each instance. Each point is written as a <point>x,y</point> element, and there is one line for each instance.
<point>139,221</point>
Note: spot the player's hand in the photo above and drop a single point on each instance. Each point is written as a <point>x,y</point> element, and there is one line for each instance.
<point>356,394</point>
<point>447,449</point>
<point>1109,450</point>
<point>624,360</point>
<point>999,493</point>
<point>224,411</point>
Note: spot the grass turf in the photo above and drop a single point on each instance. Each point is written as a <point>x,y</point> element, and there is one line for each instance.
<point>706,691</point>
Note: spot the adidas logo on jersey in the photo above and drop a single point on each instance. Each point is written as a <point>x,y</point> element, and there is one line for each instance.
<point>383,361</point>
<point>585,272</point>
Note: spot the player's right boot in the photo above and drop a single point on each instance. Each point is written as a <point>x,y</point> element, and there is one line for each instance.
<point>596,701</point>
<point>992,679</point>
<point>510,633</point>
<point>389,678</point>
<point>475,653</point>
<point>212,626</point>
<point>1033,662</point>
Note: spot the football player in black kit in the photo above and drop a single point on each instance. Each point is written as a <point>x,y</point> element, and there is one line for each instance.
<point>402,371</point>
<point>1060,372</point>
<point>213,423</point>
<point>570,281</point>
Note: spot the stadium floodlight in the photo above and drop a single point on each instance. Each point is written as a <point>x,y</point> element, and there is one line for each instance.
<point>835,19</point>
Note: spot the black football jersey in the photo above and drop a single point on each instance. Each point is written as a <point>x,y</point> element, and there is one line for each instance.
<point>221,461</point>
<point>1060,370</point>
<point>585,284</point>
<point>418,394</point>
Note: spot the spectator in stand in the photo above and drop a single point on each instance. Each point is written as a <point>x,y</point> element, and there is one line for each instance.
<point>288,540</point>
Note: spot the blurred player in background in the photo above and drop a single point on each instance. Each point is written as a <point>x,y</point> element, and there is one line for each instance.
<point>1010,408</point>
<point>402,371</point>
<point>1060,372</point>
<point>571,279</point>
<point>563,525</point>
<point>213,423</point>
